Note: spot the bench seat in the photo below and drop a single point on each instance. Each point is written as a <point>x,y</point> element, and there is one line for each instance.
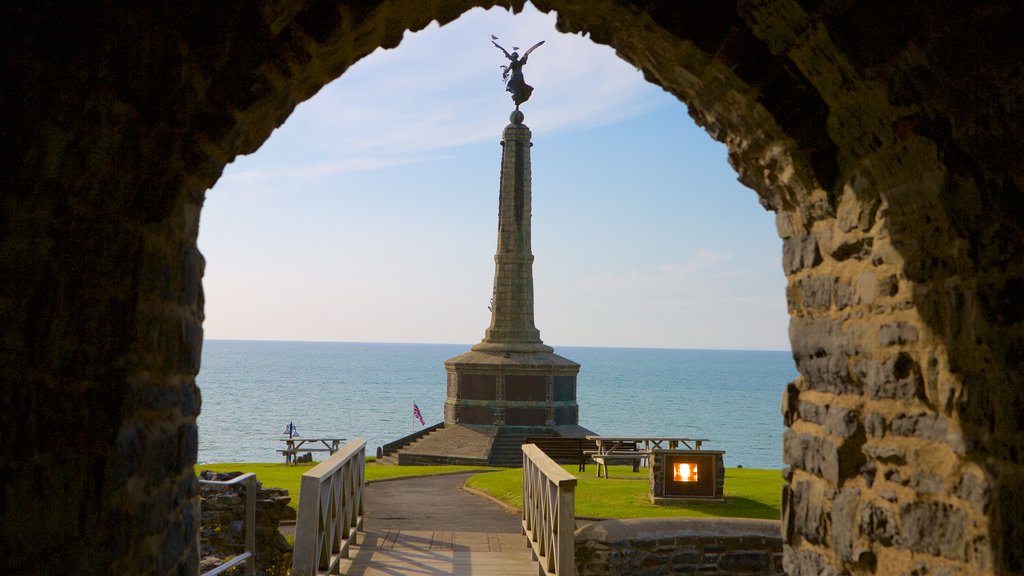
<point>602,460</point>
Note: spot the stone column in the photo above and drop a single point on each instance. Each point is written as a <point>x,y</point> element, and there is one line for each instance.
<point>512,326</point>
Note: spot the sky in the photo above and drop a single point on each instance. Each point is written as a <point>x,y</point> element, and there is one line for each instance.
<point>371,214</point>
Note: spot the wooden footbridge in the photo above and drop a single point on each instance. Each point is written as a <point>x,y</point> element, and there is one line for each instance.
<point>429,553</point>
<point>330,539</point>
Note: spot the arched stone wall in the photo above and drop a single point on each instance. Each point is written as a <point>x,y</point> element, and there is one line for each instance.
<point>885,136</point>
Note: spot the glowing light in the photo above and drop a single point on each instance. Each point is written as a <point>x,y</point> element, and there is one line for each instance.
<point>684,472</point>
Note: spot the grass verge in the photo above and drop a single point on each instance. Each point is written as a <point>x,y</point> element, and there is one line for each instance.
<point>749,493</point>
<point>287,475</point>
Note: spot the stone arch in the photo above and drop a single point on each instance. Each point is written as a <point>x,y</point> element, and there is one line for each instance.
<point>886,139</point>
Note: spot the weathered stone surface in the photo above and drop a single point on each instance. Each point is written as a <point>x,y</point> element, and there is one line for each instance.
<point>897,333</point>
<point>844,525</point>
<point>724,546</point>
<point>878,523</point>
<point>929,426</point>
<point>808,502</point>
<point>975,490</point>
<point>858,206</point>
<point>934,528</point>
<point>836,420</point>
<point>804,562</point>
<point>874,424</point>
<point>897,378</point>
<point>800,252</point>
<point>821,348</point>
<point>853,121</point>
<point>817,291</point>
<point>790,403</point>
<point>223,524</point>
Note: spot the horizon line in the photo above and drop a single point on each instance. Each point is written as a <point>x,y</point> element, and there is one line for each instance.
<point>312,341</point>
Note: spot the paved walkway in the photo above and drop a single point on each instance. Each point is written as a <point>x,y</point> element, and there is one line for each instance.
<point>431,526</point>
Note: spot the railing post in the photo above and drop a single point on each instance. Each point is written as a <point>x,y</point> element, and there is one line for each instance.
<point>330,511</point>
<point>249,555</point>
<point>549,512</point>
<point>250,525</point>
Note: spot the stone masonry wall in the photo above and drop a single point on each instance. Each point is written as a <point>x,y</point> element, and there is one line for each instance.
<point>662,546</point>
<point>222,536</point>
<point>886,138</point>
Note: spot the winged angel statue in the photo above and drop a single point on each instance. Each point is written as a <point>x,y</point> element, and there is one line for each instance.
<point>513,73</point>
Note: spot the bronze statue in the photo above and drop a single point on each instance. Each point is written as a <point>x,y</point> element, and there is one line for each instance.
<point>516,84</point>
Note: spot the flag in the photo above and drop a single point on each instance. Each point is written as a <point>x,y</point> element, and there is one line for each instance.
<point>416,412</point>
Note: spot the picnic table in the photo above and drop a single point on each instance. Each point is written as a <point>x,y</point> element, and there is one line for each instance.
<point>636,448</point>
<point>297,444</point>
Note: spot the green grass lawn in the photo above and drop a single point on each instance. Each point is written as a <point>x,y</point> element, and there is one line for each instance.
<point>749,493</point>
<point>287,475</point>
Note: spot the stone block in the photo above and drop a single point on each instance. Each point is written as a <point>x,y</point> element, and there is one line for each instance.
<point>928,425</point>
<point>897,333</point>
<point>886,452</point>
<point>800,252</point>
<point>888,286</point>
<point>897,378</point>
<point>842,295</point>
<point>828,374</point>
<point>790,404</point>
<point>836,420</point>
<point>743,562</point>
<point>804,562</point>
<point>874,424</point>
<point>927,483</point>
<point>841,422</point>
<point>816,291</point>
<point>866,288</point>
<point>857,205</point>
<point>809,514</point>
<point>974,489</point>
<point>933,528</point>
<point>688,557</point>
<point>878,523</point>
<point>843,523</point>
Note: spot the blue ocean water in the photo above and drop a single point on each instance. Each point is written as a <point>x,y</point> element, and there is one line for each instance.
<point>252,389</point>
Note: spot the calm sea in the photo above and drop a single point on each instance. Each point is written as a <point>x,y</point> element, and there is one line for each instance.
<point>253,389</point>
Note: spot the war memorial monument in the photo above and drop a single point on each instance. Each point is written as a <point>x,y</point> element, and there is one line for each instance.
<point>511,386</point>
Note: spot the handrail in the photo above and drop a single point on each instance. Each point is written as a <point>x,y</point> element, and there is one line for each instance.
<point>330,511</point>
<point>392,447</point>
<point>249,556</point>
<point>549,512</point>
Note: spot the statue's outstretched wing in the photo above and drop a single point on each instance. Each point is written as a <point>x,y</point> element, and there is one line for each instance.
<point>532,48</point>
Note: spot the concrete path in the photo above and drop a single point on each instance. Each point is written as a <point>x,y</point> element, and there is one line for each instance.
<point>434,503</point>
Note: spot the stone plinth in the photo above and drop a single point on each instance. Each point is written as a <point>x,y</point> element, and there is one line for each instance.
<point>536,389</point>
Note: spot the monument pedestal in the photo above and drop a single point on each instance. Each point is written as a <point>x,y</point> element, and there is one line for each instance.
<point>511,389</point>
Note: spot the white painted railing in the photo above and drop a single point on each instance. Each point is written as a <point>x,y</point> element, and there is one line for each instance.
<point>249,556</point>
<point>330,511</point>
<point>549,512</point>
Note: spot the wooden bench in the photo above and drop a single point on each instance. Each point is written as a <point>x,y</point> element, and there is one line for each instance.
<point>624,451</point>
<point>565,450</point>
<point>291,456</point>
<point>296,445</point>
